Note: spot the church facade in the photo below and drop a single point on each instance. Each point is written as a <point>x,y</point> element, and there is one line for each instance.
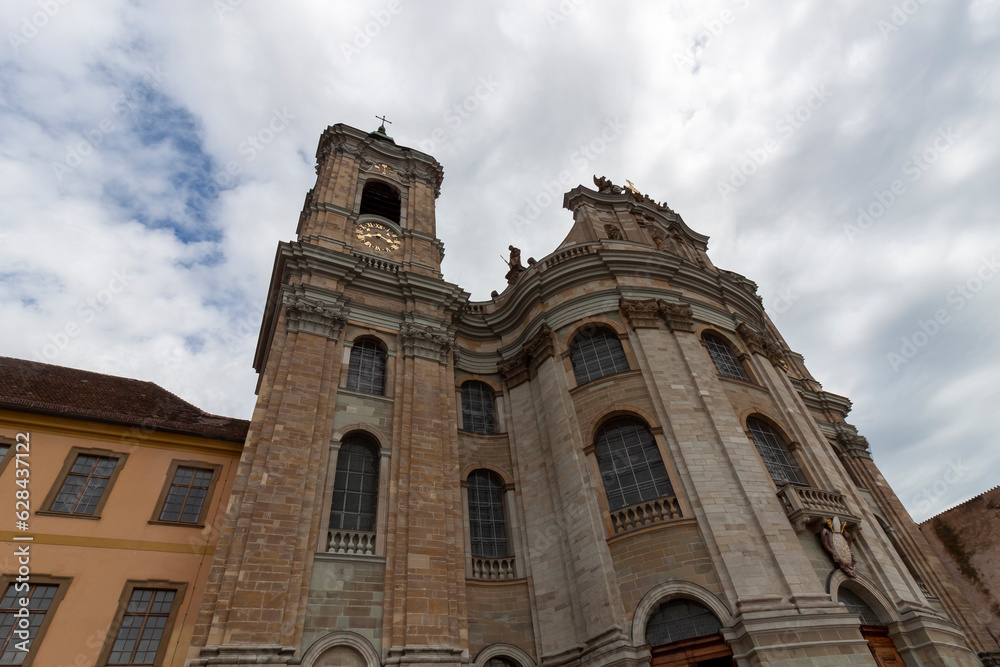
<point>615,461</point>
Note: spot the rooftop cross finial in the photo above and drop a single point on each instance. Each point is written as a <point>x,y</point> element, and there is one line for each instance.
<point>384,121</point>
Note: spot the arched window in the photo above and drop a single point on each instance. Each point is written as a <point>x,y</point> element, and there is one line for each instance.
<point>477,408</point>
<point>366,371</point>
<point>596,353</point>
<point>380,199</point>
<point>774,452</point>
<point>856,605</point>
<point>355,486</point>
<point>630,463</point>
<point>680,619</point>
<point>487,526</point>
<point>725,360</point>
<point>500,662</point>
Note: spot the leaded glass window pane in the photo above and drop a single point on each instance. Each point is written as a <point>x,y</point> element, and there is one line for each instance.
<point>725,360</point>
<point>631,467</point>
<point>596,353</point>
<point>477,408</point>
<point>680,619</point>
<point>40,598</point>
<point>84,485</point>
<point>142,627</point>
<point>774,452</point>
<point>186,495</point>
<point>366,370</point>
<point>487,526</point>
<point>856,605</point>
<point>355,487</point>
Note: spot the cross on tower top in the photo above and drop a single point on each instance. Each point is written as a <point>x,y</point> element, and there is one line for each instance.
<point>384,121</point>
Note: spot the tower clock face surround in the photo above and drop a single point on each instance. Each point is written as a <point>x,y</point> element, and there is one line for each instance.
<point>377,237</point>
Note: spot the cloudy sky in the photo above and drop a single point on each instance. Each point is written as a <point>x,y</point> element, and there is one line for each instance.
<point>843,155</point>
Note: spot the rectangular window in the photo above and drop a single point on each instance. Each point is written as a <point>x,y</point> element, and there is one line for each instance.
<point>43,595</point>
<point>84,483</point>
<point>141,631</point>
<point>6,445</point>
<point>187,496</point>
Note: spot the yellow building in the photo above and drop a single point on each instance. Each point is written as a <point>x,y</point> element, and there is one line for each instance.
<point>124,486</point>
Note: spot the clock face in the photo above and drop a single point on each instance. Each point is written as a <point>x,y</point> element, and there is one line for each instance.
<point>377,236</point>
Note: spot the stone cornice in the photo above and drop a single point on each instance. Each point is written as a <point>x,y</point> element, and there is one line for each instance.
<point>427,341</point>
<point>314,315</point>
<point>585,264</point>
<point>641,314</point>
<point>648,313</point>
<point>761,343</point>
<point>523,365</point>
<point>852,444</point>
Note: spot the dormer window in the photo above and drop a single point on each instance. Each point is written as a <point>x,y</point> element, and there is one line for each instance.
<point>380,199</point>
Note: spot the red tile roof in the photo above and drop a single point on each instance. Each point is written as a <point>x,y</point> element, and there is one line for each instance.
<point>35,387</point>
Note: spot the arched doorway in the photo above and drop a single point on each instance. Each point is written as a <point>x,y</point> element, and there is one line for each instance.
<point>685,633</point>
<point>873,629</point>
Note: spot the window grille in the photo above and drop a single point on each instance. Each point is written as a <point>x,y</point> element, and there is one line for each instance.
<point>726,363</point>
<point>187,494</point>
<point>84,485</point>
<point>40,598</point>
<point>355,487</point>
<point>631,467</point>
<point>856,605</point>
<point>477,408</point>
<point>774,452</point>
<point>596,353</point>
<point>366,370</point>
<point>142,626</point>
<point>487,526</point>
<point>680,619</point>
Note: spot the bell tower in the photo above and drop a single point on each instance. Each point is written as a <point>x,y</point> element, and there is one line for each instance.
<point>376,198</point>
<point>356,383</point>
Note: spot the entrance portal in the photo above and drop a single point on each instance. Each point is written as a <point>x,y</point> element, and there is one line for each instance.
<point>684,633</point>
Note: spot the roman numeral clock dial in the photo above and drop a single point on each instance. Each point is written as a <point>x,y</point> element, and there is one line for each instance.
<point>377,236</point>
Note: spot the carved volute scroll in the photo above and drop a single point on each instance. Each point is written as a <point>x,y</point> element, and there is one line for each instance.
<point>315,316</point>
<point>524,365</point>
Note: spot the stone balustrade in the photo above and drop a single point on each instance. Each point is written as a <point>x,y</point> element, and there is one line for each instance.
<point>805,505</point>
<point>648,513</point>
<point>350,542</point>
<point>493,569</point>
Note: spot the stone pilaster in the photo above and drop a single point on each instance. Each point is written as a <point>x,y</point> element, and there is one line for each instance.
<point>424,620</point>
<point>254,604</point>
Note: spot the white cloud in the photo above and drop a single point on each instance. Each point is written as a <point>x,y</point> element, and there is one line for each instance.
<point>201,271</point>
